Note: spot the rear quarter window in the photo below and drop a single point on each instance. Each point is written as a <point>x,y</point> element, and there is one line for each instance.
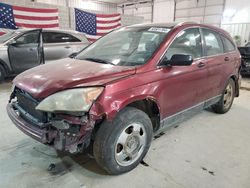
<point>228,45</point>
<point>54,37</point>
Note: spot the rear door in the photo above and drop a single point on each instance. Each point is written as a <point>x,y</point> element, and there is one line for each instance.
<point>58,45</point>
<point>217,62</point>
<point>25,51</point>
<point>184,86</point>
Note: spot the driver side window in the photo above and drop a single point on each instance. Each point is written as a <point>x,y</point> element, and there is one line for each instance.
<point>28,38</point>
<point>187,42</point>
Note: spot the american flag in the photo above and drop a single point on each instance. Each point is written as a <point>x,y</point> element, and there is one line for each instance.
<point>96,25</point>
<point>14,17</point>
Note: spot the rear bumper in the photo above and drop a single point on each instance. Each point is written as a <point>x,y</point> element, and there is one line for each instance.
<point>27,128</point>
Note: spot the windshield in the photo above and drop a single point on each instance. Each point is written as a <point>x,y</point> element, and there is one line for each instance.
<point>7,36</point>
<point>125,47</point>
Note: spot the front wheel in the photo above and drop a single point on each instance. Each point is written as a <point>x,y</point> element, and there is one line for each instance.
<point>227,99</point>
<point>120,145</point>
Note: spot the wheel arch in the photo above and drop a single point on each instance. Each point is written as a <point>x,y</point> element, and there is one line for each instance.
<point>150,106</point>
<point>145,103</point>
<point>237,85</point>
<point>5,66</point>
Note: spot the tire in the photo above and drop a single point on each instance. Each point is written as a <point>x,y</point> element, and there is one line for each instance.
<point>2,73</point>
<point>227,98</point>
<point>120,145</point>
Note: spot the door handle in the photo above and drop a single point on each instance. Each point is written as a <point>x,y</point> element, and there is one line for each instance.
<point>67,47</point>
<point>201,64</point>
<point>226,58</point>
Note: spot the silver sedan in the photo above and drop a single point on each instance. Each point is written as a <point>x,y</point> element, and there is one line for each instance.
<point>23,49</point>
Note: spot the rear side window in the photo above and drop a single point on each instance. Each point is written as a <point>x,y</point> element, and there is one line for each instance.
<point>54,37</point>
<point>187,42</point>
<point>228,45</point>
<point>213,43</point>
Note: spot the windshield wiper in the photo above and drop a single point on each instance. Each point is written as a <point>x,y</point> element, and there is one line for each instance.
<point>98,60</point>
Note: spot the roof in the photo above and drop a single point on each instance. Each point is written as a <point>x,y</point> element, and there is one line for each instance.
<point>181,24</point>
<point>56,30</point>
<point>169,24</point>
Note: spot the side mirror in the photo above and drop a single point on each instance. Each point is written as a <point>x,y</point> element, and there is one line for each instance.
<point>179,60</point>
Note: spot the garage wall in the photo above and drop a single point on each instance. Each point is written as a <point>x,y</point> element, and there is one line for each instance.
<point>201,11</point>
<point>150,10</point>
<point>238,29</point>
<point>237,11</point>
<point>130,19</point>
<point>236,19</point>
<point>163,11</point>
<point>143,9</point>
<point>95,6</point>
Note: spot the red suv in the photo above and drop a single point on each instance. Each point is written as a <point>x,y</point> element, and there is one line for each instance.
<point>126,87</point>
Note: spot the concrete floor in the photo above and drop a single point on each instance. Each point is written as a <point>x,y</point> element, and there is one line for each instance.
<point>208,150</point>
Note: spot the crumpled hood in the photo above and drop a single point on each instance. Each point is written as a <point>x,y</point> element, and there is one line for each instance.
<point>47,79</point>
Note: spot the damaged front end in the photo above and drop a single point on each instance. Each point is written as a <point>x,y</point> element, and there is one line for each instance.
<point>64,131</point>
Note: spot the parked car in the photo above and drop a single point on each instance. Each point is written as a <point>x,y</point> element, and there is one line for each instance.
<point>23,49</point>
<point>245,55</point>
<point>125,88</point>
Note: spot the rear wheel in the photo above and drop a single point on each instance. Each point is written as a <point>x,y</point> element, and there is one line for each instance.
<point>227,98</point>
<point>2,73</point>
<point>120,145</point>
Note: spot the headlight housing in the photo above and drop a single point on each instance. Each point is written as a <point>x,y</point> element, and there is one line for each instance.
<point>71,100</point>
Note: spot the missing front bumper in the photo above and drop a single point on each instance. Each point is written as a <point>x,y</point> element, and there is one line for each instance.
<point>27,128</point>
<point>60,139</point>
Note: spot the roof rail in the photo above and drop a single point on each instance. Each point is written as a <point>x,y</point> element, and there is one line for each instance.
<point>185,23</point>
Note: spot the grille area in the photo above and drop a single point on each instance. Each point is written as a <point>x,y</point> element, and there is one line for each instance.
<point>27,106</point>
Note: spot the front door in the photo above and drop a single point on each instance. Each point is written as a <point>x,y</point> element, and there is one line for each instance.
<point>25,51</point>
<point>184,86</point>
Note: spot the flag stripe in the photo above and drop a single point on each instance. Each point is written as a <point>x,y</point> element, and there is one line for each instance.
<point>36,18</point>
<point>39,10</point>
<point>37,25</point>
<point>34,22</point>
<point>107,15</point>
<point>107,22</point>
<point>36,14</point>
<point>110,27</point>
<point>107,19</point>
<point>106,25</point>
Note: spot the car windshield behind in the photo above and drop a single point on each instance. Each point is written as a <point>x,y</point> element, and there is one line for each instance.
<point>130,46</point>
